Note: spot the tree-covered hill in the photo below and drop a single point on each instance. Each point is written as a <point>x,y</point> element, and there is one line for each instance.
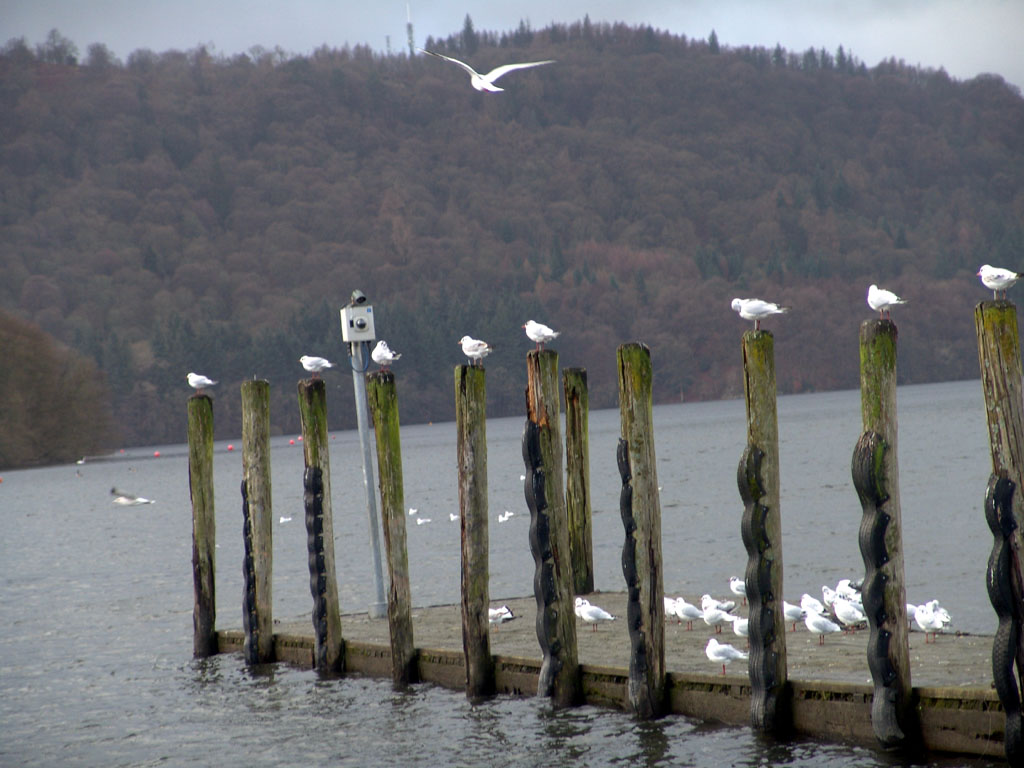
<point>182,211</point>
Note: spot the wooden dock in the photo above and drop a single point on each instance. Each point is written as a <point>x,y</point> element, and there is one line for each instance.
<point>831,684</point>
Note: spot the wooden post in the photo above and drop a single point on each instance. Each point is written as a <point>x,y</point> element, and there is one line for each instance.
<point>384,408</point>
<point>323,582</point>
<point>876,477</point>
<point>471,426</point>
<point>641,516</point>
<point>549,538</point>
<point>999,356</point>
<point>257,615</point>
<point>761,529</point>
<point>204,524</point>
<point>577,474</point>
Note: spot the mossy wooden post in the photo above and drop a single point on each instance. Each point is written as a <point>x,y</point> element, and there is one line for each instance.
<point>257,618</point>
<point>999,356</point>
<point>761,529</point>
<point>577,478</point>
<point>471,426</point>
<point>641,517</point>
<point>875,471</point>
<point>204,524</point>
<point>383,399</point>
<point>323,582</point>
<point>549,536</point>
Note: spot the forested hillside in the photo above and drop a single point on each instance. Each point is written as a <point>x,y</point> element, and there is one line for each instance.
<point>181,211</point>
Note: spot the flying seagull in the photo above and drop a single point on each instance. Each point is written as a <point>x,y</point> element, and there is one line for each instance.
<point>486,82</point>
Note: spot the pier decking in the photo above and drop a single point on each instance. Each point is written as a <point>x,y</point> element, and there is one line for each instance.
<point>831,684</point>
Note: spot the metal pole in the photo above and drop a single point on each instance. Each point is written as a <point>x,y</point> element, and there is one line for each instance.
<point>359,358</point>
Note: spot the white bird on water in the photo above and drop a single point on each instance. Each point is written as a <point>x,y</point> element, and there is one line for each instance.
<point>422,520</point>
<point>315,364</point>
<point>128,499</point>
<point>197,381</point>
<point>722,653</point>
<point>505,516</point>
<point>997,279</point>
<point>475,349</point>
<point>282,520</point>
<point>882,300</point>
<point>539,333</point>
<point>756,309</point>
<point>486,82</point>
<point>591,614</point>
<point>383,355</point>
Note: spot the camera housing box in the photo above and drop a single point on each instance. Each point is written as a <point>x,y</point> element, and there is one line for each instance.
<point>357,324</point>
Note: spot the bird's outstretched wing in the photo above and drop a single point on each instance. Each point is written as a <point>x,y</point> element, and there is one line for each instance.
<point>504,69</point>
<point>472,72</point>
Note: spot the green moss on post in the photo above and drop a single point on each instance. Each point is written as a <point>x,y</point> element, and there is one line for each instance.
<point>577,473</point>
<point>556,624</point>
<point>256,476</point>
<point>999,356</point>
<point>312,395</point>
<point>383,399</point>
<point>876,477</point>
<point>641,559</point>
<point>204,524</point>
<point>471,426</point>
<point>762,527</point>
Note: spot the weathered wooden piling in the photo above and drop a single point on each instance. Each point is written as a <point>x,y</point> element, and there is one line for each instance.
<point>204,524</point>
<point>257,616</point>
<point>549,536</point>
<point>383,399</point>
<point>761,529</point>
<point>875,470</point>
<point>471,448</point>
<point>999,356</point>
<point>577,478</point>
<point>323,582</point>
<point>640,507</point>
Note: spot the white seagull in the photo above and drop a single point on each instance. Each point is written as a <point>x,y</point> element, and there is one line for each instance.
<point>383,355</point>
<point>591,614</point>
<point>687,612</point>
<point>539,333</point>
<point>422,520</point>
<point>792,613</point>
<point>128,499</point>
<point>486,82</point>
<point>722,652</point>
<point>811,604</point>
<point>715,617</point>
<point>282,520</point>
<point>738,587</point>
<point>848,613</point>
<point>722,605</point>
<point>197,381</point>
<point>820,626</point>
<point>882,300</point>
<point>413,510</point>
<point>997,279</point>
<point>504,517</point>
<point>740,626</point>
<point>500,615</point>
<point>315,364</point>
<point>475,349</point>
<point>755,309</point>
<point>452,517</point>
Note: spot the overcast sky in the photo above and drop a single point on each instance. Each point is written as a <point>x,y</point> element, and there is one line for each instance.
<point>966,37</point>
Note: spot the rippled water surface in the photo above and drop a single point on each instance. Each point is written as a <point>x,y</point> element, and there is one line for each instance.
<point>96,600</point>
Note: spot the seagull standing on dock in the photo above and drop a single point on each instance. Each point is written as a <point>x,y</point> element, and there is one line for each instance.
<point>197,381</point>
<point>820,626</point>
<point>997,279</point>
<point>383,355</point>
<point>315,364</point>
<point>755,309</point>
<point>475,349</point>
<point>486,82</point>
<point>738,587</point>
<point>688,612</point>
<point>539,333</point>
<point>500,615</point>
<point>882,301</point>
<point>722,652</point>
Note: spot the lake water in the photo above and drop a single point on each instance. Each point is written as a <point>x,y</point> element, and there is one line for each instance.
<point>96,599</point>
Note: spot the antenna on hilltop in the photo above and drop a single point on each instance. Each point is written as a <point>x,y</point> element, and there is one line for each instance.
<point>408,30</point>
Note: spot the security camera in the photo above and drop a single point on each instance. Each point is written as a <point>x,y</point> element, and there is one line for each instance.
<point>358,297</point>
<point>357,323</point>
